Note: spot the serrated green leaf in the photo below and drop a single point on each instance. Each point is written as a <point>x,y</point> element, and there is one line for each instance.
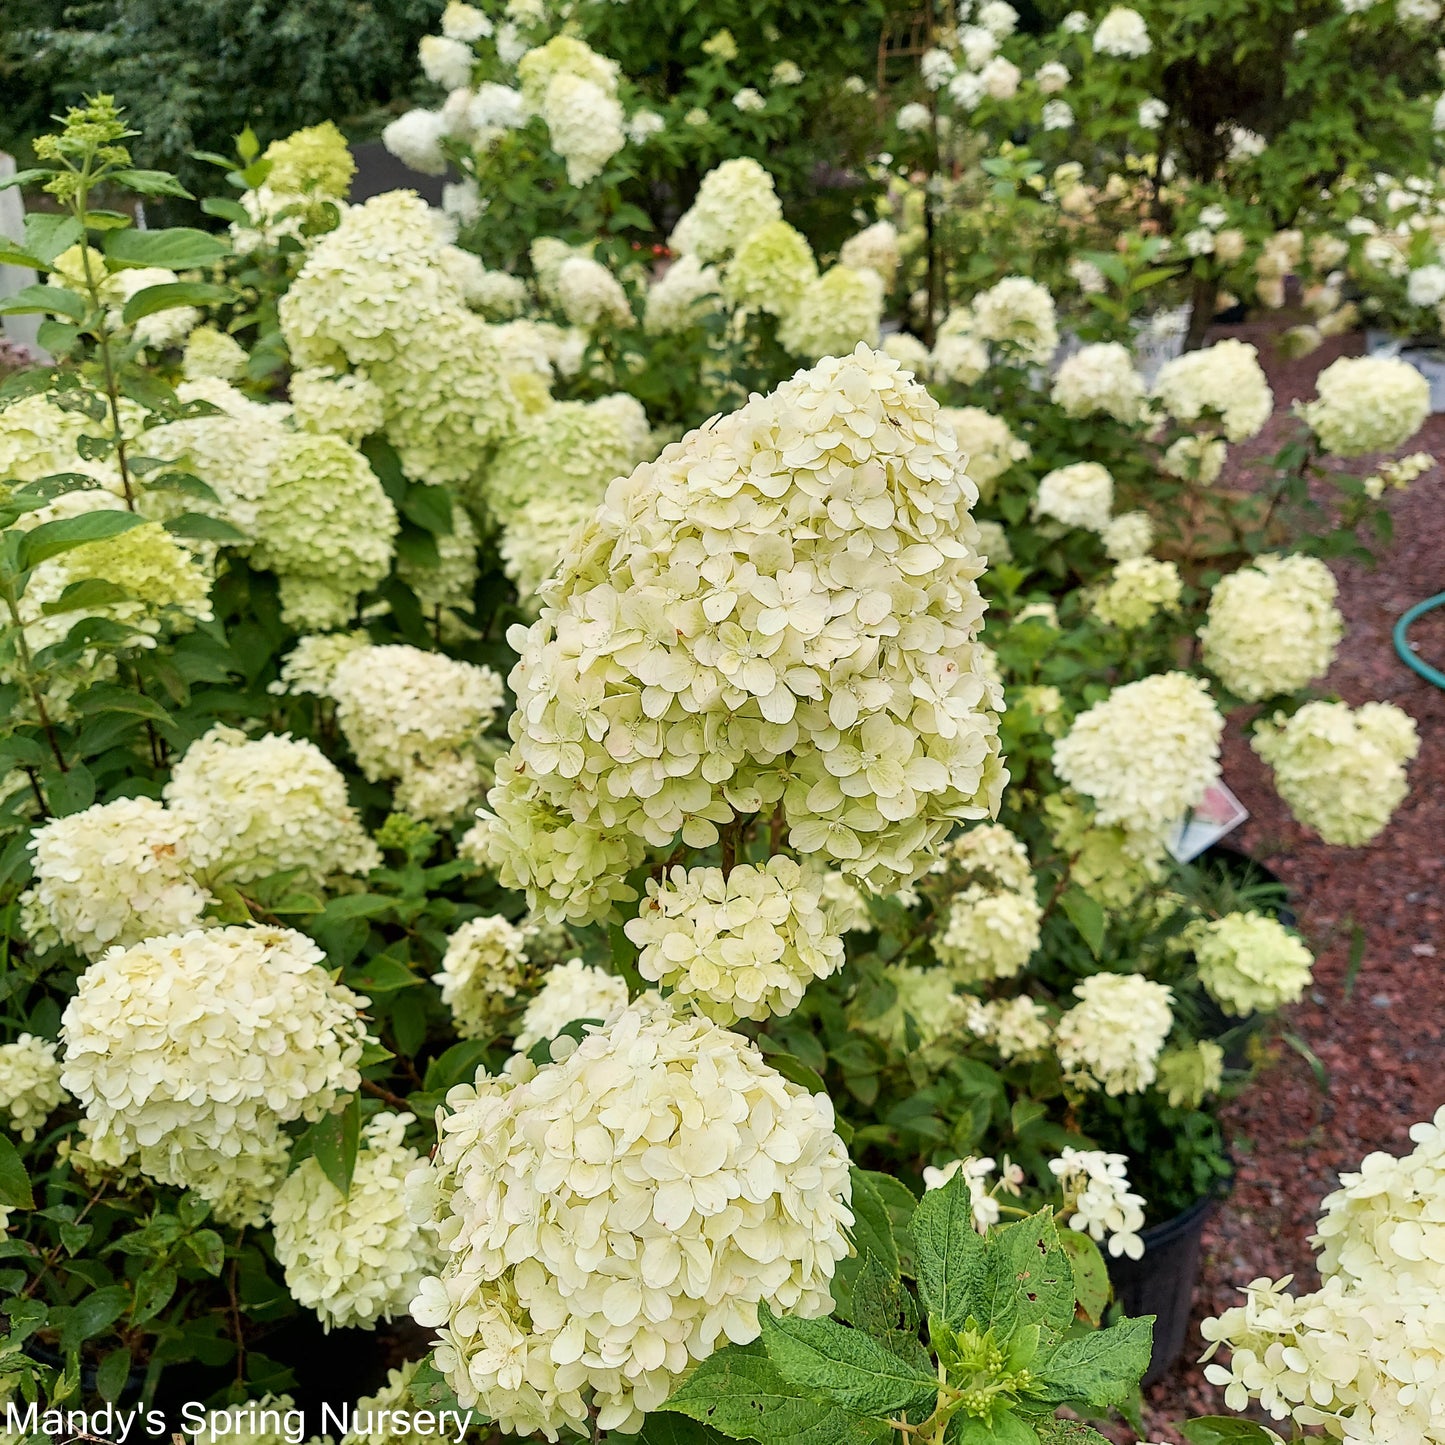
<point>1005,1428</point>
<point>169,295</point>
<point>150,183</point>
<point>48,233</point>
<point>96,1312</point>
<point>660,1429</point>
<point>1099,1369</point>
<point>845,1366</point>
<point>1029,1280</point>
<point>87,594</point>
<point>1091,1275</point>
<point>949,1254</point>
<point>50,539</point>
<point>740,1393</point>
<point>872,1235</point>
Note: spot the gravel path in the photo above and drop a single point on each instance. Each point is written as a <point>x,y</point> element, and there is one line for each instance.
<point>1381,1044</point>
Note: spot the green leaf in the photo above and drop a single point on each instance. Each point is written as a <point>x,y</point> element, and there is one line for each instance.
<point>457,1065</point>
<point>106,697</point>
<point>353,905</point>
<point>1091,1274</point>
<point>42,299</point>
<point>172,294</point>
<point>382,975</point>
<point>96,1312</point>
<point>872,1240</point>
<point>178,248</point>
<point>1087,915</point>
<point>675,1430</point>
<point>430,507</point>
<point>1029,1281</point>
<point>949,1254</point>
<point>1099,1369</point>
<point>740,1393</point>
<point>48,233</point>
<point>200,527</point>
<point>112,1374</point>
<point>13,255</point>
<point>845,1366</point>
<point>1223,1430</point>
<point>50,539</point>
<point>1004,1429</point>
<point>153,1291</point>
<point>85,595</point>
<point>429,1389</point>
<point>14,1181</point>
<point>334,1143</point>
<point>227,209</point>
<point>1067,1432</point>
<point>150,183</point>
<point>208,1248</point>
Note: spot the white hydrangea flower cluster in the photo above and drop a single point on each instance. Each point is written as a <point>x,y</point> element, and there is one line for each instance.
<point>30,1088</point>
<point>1145,755</point>
<point>355,1258</point>
<point>1363,1356</point>
<point>991,928</point>
<point>590,296</point>
<point>1098,1200</point>
<point>484,965</point>
<point>416,717</point>
<point>347,405</point>
<point>1122,32</point>
<point>842,309</point>
<point>958,357</point>
<point>251,807</point>
<point>777,615</point>
<point>771,270</point>
<point>1128,535</point>
<point>1018,314</point>
<point>732,201</point>
<point>574,90</point>
<point>1340,771</point>
<point>875,248</point>
<point>1078,495</point>
<point>570,991</point>
<point>165,586</point>
<point>1223,382</point>
<point>113,873</point>
<point>745,944</point>
<point>1367,404</point>
<point>1100,379</point>
<point>1111,1039</point>
<point>986,446</point>
<point>1018,1027</point>
<point>210,352</point>
<point>1136,591</point>
<point>1250,963</point>
<point>188,1052</point>
<point>1197,459</point>
<point>310,667</point>
<point>610,1219</point>
<point>685,292</point>
<point>377,296</point>
<point>983,1206</point>
<point>1272,627</point>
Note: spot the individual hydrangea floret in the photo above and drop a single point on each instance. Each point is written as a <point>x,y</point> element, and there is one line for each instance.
<point>188,1053</point>
<point>483,967</point>
<point>356,1258</point>
<point>570,991</point>
<point>1340,771</point>
<point>726,1183</point>
<point>1273,626</point>
<point>1078,495</point>
<point>738,592</point>
<point>1145,755</point>
<point>1367,404</point>
<point>251,807</point>
<point>1111,1038</point>
<point>30,1088</point>
<point>745,944</point>
<point>1250,963</point>
<point>113,873</point>
<point>1223,383</point>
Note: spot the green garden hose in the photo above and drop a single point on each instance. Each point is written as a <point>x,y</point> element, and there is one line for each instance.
<point>1402,644</point>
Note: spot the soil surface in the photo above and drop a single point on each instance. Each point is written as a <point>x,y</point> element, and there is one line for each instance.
<point>1380,1039</point>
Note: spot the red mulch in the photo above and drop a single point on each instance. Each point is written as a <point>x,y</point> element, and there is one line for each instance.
<point>1383,1043</point>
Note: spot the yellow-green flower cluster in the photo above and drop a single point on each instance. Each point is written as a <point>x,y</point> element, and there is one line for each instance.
<point>840,310</point>
<point>1222,383</point>
<point>483,967</point>
<point>1250,963</point>
<point>986,445</point>
<point>1136,591</point>
<point>771,270</point>
<point>1367,404</point>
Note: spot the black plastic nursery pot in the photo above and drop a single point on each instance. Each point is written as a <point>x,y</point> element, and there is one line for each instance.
<point>1162,1282</point>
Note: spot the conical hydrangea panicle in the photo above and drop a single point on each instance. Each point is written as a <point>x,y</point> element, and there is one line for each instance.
<point>778,615</point>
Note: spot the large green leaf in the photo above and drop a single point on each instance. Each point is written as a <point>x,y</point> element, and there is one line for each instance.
<point>1029,1279</point>
<point>740,1393</point>
<point>1224,1430</point>
<point>949,1254</point>
<point>1091,1274</point>
<point>1100,1369</point>
<point>178,248</point>
<point>845,1366</point>
<point>172,294</point>
<point>45,300</point>
<point>48,233</point>
<point>14,1181</point>
<point>50,539</point>
<point>334,1142</point>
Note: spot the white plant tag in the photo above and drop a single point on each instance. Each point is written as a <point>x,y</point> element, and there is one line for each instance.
<point>1219,812</point>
